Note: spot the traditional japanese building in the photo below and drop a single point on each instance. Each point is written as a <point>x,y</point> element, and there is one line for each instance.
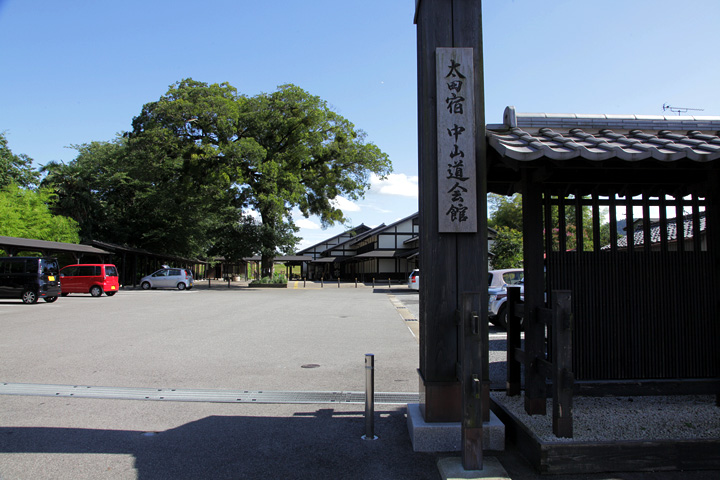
<point>363,253</point>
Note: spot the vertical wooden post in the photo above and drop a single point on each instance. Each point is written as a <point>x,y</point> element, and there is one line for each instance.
<point>563,381</point>
<point>535,390</point>
<point>452,263</point>
<point>512,386</point>
<point>471,376</point>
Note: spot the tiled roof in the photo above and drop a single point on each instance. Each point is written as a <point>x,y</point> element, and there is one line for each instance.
<point>639,236</point>
<point>31,244</point>
<point>530,136</point>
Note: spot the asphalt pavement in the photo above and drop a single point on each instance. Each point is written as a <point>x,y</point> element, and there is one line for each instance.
<point>292,340</point>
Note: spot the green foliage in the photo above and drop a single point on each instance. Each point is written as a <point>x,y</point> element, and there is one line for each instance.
<point>505,211</point>
<point>508,249</point>
<point>276,278</point>
<point>201,156</point>
<point>270,153</point>
<point>16,169</point>
<point>25,214</point>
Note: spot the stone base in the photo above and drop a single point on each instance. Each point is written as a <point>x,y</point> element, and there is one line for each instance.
<point>447,437</point>
<point>451,469</point>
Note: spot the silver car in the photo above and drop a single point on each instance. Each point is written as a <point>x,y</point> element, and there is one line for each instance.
<point>180,278</point>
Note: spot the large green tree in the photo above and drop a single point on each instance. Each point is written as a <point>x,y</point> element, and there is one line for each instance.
<point>270,153</point>
<point>506,218</point>
<point>94,190</point>
<point>201,160</point>
<point>16,169</point>
<point>507,249</point>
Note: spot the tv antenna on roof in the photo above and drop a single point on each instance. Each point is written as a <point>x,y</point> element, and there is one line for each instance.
<point>678,110</point>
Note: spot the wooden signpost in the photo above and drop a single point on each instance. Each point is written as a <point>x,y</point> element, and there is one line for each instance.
<point>453,216</point>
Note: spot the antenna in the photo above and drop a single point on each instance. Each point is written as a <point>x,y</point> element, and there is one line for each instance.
<point>678,110</point>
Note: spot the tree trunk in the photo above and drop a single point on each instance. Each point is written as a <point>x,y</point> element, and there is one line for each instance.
<point>266,266</point>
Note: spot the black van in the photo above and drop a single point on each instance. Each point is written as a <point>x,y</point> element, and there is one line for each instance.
<point>29,278</point>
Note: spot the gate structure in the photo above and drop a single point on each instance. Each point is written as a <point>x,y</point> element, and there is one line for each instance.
<point>624,212</point>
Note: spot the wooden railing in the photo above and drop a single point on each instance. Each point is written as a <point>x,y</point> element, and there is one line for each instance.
<point>548,357</point>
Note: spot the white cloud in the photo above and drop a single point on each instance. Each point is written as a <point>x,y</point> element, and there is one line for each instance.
<point>395,184</point>
<point>308,224</point>
<point>344,204</point>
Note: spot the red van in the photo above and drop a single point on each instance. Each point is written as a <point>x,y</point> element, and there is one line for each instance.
<point>89,278</point>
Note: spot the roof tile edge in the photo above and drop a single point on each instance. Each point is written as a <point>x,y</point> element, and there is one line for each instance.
<point>513,119</point>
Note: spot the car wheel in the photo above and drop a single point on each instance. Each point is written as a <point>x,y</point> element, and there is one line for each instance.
<point>501,319</point>
<point>145,285</point>
<point>181,286</point>
<point>96,291</point>
<point>29,297</point>
<point>50,299</point>
<point>110,294</point>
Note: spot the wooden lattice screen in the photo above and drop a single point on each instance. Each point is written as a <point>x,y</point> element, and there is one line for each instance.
<point>642,309</point>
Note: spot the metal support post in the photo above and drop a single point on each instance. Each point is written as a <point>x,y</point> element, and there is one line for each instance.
<point>369,397</point>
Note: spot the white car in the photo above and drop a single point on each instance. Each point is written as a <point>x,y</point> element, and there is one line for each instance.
<point>180,278</point>
<point>498,281</point>
<point>414,280</point>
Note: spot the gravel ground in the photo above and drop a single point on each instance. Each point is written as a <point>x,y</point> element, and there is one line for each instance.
<point>626,418</point>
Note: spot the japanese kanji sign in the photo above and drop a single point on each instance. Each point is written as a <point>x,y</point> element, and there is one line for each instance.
<point>457,184</point>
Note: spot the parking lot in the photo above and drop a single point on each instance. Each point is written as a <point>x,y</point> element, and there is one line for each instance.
<point>224,339</point>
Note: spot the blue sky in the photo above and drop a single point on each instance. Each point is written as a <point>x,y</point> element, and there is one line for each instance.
<point>78,71</point>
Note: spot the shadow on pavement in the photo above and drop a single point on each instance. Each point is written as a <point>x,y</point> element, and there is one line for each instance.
<point>315,444</point>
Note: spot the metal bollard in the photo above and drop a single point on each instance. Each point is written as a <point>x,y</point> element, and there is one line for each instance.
<point>369,397</point>
<point>338,282</point>
<point>356,283</point>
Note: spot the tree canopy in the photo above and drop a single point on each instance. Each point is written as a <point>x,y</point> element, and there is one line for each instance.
<point>16,169</point>
<point>25,214</point>
<point>205,167</point>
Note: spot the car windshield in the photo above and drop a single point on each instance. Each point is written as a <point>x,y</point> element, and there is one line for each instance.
<point>49,267</point>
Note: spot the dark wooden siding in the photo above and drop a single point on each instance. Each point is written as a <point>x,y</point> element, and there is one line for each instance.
<point>641,316</point>
<point>645,310</point>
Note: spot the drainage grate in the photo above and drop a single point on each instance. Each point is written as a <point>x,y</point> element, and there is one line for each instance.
<point>198,395</point>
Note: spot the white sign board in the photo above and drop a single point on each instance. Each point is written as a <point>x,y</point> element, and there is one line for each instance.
<point>457,182</point>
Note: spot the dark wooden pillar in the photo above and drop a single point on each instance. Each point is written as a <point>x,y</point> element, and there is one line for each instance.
<point>534,292</point>
<point>450,263</point>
